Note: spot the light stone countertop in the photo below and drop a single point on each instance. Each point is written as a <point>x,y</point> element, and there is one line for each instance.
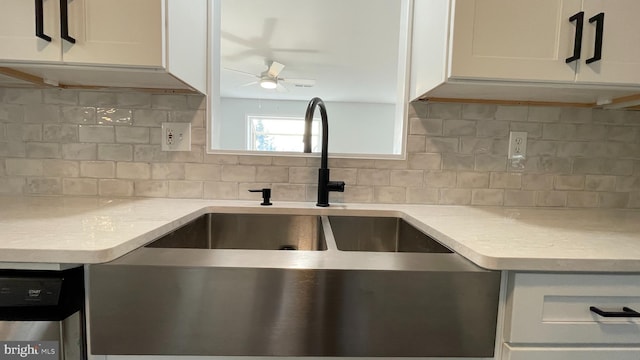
<point>44,232</point>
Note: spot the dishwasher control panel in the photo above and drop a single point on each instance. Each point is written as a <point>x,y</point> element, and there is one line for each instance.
<point>15,291</point>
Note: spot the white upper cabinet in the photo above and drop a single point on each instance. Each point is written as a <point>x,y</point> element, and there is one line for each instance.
<point>544,50</point>
<point>127,43</point>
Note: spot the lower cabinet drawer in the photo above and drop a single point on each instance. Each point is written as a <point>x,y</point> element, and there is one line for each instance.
<point>556,309</point>
<point>587,353</point>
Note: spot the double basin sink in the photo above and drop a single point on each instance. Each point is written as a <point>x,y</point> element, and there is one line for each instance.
<point>293,285</point>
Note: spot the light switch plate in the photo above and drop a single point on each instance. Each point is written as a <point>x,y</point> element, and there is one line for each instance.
<point>176,136</point>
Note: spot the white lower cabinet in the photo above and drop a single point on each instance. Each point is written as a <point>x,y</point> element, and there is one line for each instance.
<point>555,316</point>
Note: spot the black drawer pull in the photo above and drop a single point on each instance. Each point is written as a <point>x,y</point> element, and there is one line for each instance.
<point>597,50</point>
<point>40,22</point>
<point>64,22</point>
<point>577,41</point>
<point>626,312</point>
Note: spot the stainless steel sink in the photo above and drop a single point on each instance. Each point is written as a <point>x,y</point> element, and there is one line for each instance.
<point>381,234</point>
<point>218,286</point>
<point>247,231</point>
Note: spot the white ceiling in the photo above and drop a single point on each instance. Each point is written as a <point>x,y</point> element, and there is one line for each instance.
<point>349,47</point>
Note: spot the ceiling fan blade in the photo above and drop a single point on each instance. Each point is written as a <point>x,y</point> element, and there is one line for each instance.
<point>249,84</point>
<point>300,82</point>
<point>242,72</point>
<point>274,69</point>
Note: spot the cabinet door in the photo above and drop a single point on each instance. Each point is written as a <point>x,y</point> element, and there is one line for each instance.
<point>620,63</point>
<point>553,353</point>
<point>513,40</point>
<point>116,32</point>
<point>18,40</point>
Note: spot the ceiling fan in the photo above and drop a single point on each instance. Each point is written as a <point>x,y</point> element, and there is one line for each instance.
<point>270,79</point>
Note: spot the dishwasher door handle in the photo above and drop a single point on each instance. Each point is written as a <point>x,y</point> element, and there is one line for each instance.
<point>626,312</point>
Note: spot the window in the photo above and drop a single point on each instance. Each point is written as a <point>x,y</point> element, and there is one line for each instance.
<point>267,133</point>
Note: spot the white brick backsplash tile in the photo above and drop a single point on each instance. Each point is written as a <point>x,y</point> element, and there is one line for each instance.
<point>544,114</point>
<point>132,135</point>
<point>43,186</point>
<point>167,171</point>
<point>255,160</point>
<point>12,185</point>
<point>13,149</point>
<point>459,128</point>
<point>441,144</point>
<point>117,152</point>
<point>407,178</point>
<point>582,199</point>
<point>288,192</point>
<point>113,187</point>
<point>60,97</point>
<point>132,170</point>
<point>96,134</point>
<point>537,181</point>
<point>160,101</point>
<point>42,114</point>
<point>634,199</point>
<point>355,194</point>
<point>287,161</point>
<point>551,198</point>
<point>389,194</point>
<point>238,173</point>
<point>576,115</point>
<point>511,113</point>
<point>628,184</point>
<point>440,179</point>
<point>186,189</point>
<point>349,176</point>
<point>24,167</point>
<point>622,134</point>
<point>504,180</point>
<point>602,166</point>
<point>488,197</point>
<point>148,117</point>
<point>30,132</point>
<point>207,172</point>
<point>422,196</point>
<point>419,109</point>
<point>390,164</point>
<point>425,161</point>
<point>600,182</point>
<point>114,116</point>
<point>419,126</point>
<point>149,153</point>
<point>613,200</point>
<point>78,115</point>
<point>80,151</point>
<point>490,163</point>
<point>134,100</point>
<point>60,133</point>
<point>61,168</point>
<point>11,113</point>
<point>416,144</point>
<point>590,132</point>
<point>198,136</point>
<point>97,169</point>
<point>533,130</point>
<point>541,147</point>
<point>472,180</point>
<point>303,175</point>
<point>223,159</point>
<point>220,190</point>
<point>195,118</point>
<point>197,102</point>
<point>373,177</point>
<point>344,163</point>
<point>22,96</point>
<point>445,111</point>
<point>479,111</point>
<point>474,145</point>
<point>547,164</point>
<point>519,198</point>
<point>151,188</point>
<point>96,98</point>
<point>455,197</point>
<point>460,162</point>
<point>80,186</point>
<point>601,116</point>
<point>272,174</point>
<point>569,182</point>
<point>196,155</point>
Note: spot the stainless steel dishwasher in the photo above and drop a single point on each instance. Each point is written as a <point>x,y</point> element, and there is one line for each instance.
<point>42,314</point>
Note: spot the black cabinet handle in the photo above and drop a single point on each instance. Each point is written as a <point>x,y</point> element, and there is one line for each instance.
<point>626,312</point>
<point>597,52</point>
<point>577,42</point>
<point>64,22</point>
<point>40,22</point>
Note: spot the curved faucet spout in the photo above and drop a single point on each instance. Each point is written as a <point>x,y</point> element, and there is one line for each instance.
<point>324,183</point>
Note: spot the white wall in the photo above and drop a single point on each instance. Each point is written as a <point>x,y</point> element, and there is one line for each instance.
<point>362,128</point>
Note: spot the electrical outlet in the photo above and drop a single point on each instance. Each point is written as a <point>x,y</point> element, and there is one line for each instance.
<point>517,144</point>
<point>176,137</point>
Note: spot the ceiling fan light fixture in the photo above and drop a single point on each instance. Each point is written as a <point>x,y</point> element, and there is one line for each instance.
<point>268,83</point>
